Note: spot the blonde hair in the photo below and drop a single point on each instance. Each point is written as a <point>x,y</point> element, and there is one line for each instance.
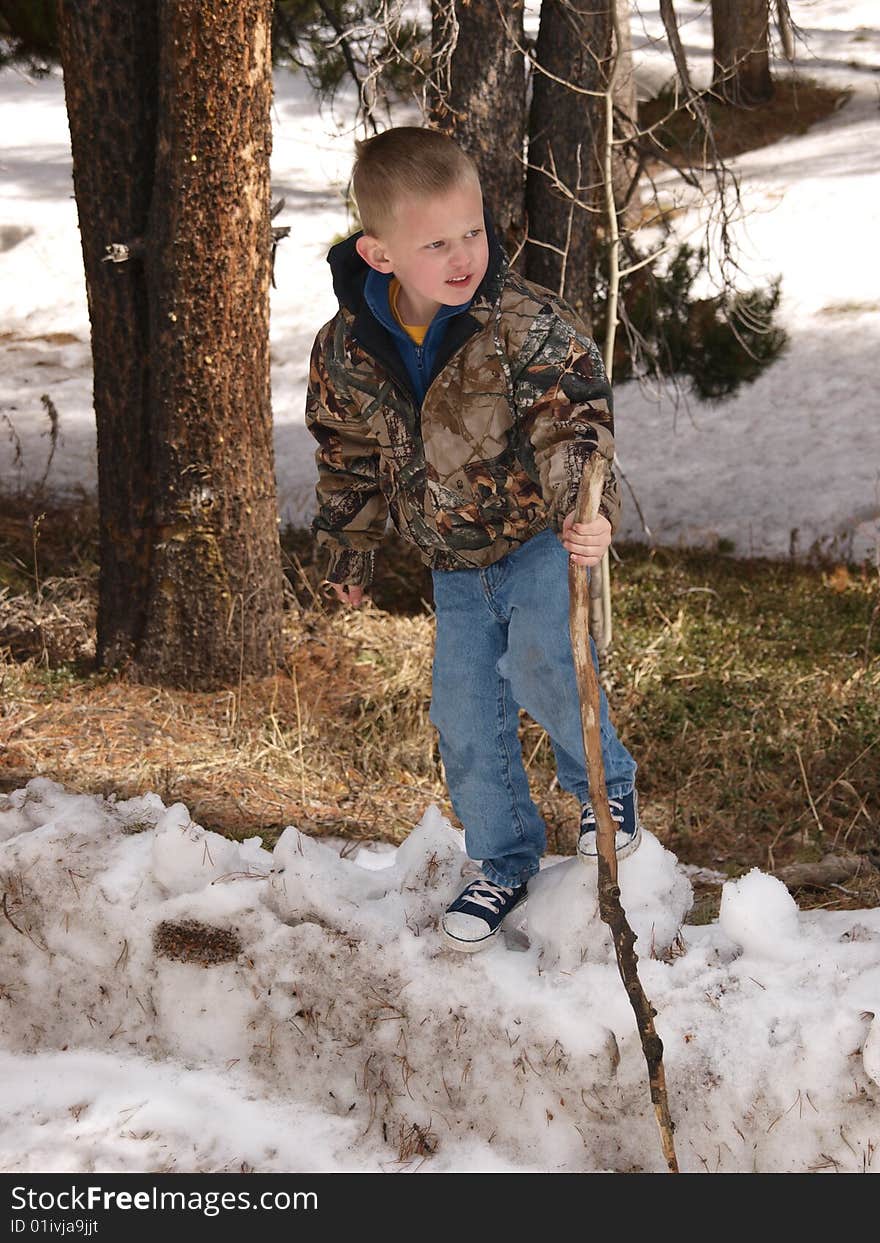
<point>401,162</point>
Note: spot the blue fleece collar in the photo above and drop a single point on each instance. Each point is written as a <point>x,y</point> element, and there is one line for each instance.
<point>377,295</point>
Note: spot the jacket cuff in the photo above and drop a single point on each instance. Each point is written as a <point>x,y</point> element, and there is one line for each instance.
<point>350,567</point>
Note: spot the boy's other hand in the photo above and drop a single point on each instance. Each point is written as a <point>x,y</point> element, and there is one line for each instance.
<point>586,542</point>
<point>348,594</point>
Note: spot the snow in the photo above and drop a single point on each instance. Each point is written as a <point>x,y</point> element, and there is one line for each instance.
<point>171,1000</point>
<point>760,916</point>
<point>332,1021</point>
<point>789,464</point>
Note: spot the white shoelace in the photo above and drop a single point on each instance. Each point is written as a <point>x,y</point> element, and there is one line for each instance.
<point>589,816</point>
<point>486,893</point>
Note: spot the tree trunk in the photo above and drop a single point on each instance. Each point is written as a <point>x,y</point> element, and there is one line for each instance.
<point>566,134</point>
<point>481,100</point>
<point>169,109</point>
<point>625,162</point>
<point>741,51</point>
<point>108,50</point>
<point>215,599</point>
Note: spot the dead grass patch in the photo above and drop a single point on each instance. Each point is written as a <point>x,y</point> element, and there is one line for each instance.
<point>338,742</point>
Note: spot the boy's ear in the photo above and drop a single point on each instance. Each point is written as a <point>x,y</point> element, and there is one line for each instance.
<point>372,252</point>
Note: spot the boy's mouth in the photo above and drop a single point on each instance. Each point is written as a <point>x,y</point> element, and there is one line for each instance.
<point>459,280</point>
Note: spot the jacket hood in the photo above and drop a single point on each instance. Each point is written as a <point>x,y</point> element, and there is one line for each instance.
<point>350,271</point>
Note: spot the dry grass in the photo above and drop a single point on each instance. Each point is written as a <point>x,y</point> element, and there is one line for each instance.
<point>338,742</point>
<point>57,621</point>
<point>747,690</point>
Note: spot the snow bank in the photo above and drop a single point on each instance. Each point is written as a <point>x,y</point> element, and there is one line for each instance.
<point>174,1000</point>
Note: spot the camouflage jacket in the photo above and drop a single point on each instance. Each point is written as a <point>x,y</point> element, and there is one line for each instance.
<point>518,401</point>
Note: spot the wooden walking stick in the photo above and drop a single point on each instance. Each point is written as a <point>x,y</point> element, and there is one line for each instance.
<point>613,914</point>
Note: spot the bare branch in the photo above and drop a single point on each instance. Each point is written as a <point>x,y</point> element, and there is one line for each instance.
<point>610,908</point>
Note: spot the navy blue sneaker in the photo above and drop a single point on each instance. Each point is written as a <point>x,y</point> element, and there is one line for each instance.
<point>476,915</point>
<point>625,813</point>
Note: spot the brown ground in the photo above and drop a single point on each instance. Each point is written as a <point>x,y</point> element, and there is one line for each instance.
<point>797,105</point>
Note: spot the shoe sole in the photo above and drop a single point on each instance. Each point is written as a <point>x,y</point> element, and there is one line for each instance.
<point>629,849</point>
<point>471,947</point>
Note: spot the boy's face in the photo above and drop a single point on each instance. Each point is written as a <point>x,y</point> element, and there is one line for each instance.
<point>436,247</point>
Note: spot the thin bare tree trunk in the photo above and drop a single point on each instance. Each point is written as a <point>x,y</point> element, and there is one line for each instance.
<point>786,31</point>
<point>624,162</point>
<point>601,623</point>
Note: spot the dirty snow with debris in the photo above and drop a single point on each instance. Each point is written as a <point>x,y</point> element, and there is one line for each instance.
<point>171,1000</point>
<point>174,1001</point>
<point>790,463</point>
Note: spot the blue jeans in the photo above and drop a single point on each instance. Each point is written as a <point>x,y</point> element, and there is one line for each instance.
<point>503,643</point>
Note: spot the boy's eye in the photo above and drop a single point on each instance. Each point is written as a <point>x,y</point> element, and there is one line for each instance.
<point>437,245</point>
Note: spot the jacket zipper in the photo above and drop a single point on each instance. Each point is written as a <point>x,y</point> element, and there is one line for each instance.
<point>405,389</point>
<point>452,356</point>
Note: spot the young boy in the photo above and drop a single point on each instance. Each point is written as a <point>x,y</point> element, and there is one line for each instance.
<point>464,400</point>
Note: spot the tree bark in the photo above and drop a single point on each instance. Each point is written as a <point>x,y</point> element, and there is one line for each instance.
<point>566,135</point>
<point>109,51</point>
<point>481,100</point>
<point>169,107</point>
<point>741,51</point>
<point>215,599</point>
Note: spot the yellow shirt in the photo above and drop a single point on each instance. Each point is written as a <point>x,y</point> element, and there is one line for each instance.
<point>415,331</point>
